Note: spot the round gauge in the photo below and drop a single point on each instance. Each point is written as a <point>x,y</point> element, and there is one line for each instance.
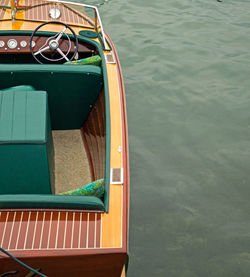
<point>23,43</point>
<point>12,43</point>
<point>33,44</point>
<point>2,43</point>
<point>54,13</point>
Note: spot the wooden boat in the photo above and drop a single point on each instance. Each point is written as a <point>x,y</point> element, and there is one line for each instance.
<point>61,126</point>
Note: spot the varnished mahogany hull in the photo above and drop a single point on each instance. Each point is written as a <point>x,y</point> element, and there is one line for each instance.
<point>76,265</point>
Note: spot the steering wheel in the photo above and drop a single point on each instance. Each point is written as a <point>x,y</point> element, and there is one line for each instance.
<point>52,44</point>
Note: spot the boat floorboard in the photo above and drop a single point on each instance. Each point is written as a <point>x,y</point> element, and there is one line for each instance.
<point>71,162</point>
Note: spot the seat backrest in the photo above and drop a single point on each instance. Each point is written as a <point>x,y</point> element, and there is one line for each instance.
<point>72,89</point>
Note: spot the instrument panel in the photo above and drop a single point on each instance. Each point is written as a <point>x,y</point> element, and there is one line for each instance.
<point>20,44</point>
<point>12,43</point>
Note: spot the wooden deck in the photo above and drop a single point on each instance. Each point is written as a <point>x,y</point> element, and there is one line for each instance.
<point>50,230</point>
<point>40,12</point>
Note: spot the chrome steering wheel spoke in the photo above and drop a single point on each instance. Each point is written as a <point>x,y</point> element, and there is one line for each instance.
<point>62,54</point>
<point>41,50</point>
<point>60,34</point>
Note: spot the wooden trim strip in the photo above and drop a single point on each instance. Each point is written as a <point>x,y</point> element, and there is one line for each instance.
<point>4,230</point>
<point>19,229</point>
<point>26,233</point>
<point>95,231</point>
<point>51,214</point>
<point>125,153</point>
<point>40,244</point>
<point>12,228</point>
<point>72,234</point>
<point>65,230</point>
<point>80,228</point>
<point>33,240</point>
<point>87,236</point>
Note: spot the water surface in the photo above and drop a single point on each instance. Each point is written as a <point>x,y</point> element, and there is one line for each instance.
<point>186,67</point>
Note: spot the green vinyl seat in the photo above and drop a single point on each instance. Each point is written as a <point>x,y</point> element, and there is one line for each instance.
<point>26,148</point>
<point>72,90</point>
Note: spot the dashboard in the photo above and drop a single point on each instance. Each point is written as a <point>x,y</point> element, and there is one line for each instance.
<point>14,49</point>
<point>20,44</point>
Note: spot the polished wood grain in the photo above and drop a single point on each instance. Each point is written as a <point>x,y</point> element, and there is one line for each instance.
<point>49,230</point>
<point>125,150</point>
<point>3,10</point>
<point>79,265</point>
<point>68,14</point>
<point>39,11</point>
<point>93,132</point>
<point>112,222</point>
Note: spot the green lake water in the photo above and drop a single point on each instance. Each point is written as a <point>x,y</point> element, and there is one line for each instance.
<point>186,68</point>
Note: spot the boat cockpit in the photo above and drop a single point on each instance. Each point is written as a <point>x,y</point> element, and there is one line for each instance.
<point>54,123</point>
<point>43,47</point>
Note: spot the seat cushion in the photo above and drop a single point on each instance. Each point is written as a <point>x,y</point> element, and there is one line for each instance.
<point>23,116</point>
<point>26,148</point>
<point>36,201</point>
<point>19,88</point>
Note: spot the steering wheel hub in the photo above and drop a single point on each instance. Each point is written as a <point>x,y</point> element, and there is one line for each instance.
<point>53,45</point>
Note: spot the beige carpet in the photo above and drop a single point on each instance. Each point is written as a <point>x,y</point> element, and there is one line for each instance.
<point>71,162</point>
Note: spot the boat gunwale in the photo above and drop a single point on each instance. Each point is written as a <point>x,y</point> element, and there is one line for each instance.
<point>125,154</point>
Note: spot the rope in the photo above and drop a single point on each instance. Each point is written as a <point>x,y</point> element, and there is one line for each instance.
<point>21,263</point>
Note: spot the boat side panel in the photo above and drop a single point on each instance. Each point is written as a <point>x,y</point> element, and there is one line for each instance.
<point>93,132</point>
<point>103,265</point>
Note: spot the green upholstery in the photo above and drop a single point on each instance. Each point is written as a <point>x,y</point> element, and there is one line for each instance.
<point>72,90</point>
<point>19,88</point>
<point>26,155</point>
<point>23,116</point>
<point>26,149</point>
<point>37,201</point>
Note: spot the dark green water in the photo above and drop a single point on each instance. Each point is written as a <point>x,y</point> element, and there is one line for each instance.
<point>186,67</point>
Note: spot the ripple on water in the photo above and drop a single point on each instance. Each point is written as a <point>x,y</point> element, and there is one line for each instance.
<point>186,66</point>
